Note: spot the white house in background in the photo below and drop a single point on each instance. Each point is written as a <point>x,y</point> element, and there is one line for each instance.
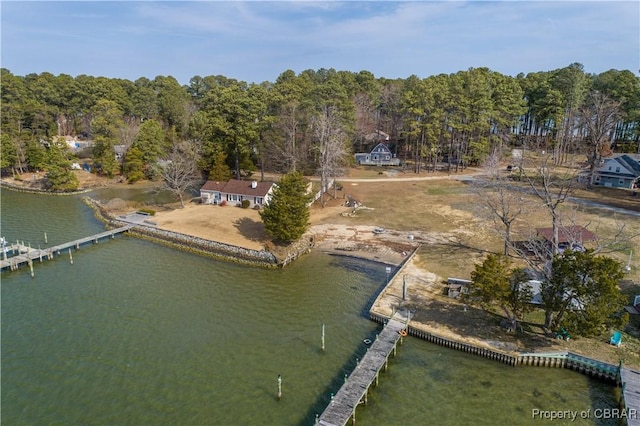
<point>380,155</point>
<point>235,191</point>
<point>619,171</point>
<point>74,143</point>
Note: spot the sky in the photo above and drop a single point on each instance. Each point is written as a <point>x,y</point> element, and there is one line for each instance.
<point>256,41</point>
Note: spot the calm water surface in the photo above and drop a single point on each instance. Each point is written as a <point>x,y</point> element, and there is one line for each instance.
<point>134,333</point>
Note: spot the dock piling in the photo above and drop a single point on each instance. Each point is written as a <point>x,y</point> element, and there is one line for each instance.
<point>279,386</point>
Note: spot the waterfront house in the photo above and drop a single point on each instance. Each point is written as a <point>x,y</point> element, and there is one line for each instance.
<point>619,171</point>
<point>635,308</point>
<point>572,237</point>
<point>380,155</point>
<point>233,192</point>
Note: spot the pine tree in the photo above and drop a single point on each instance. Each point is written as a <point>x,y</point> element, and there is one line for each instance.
<point>583,294</point>
<point>494,282</point>
<point>220,171</point>
<point>286,216</point>
<point>133,165</point>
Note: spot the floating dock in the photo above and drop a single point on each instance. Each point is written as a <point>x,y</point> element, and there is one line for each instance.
<point>354,391</point>
<point>26,255</point>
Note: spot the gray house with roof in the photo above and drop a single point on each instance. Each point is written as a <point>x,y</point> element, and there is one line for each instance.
<point>621,171</point>
<point>380,155</point>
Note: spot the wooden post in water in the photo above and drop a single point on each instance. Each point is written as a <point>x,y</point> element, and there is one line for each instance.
<point>322,337</point>
<point>45,238</point>
<point>70,256</point>
<point>39,253</point>
<point>279,386</point>
<point>31,268</point>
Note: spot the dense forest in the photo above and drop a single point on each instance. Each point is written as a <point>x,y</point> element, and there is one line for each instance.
<point>312,122</point>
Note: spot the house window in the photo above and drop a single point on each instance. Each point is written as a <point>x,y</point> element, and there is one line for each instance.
<point>257,200</point>
<point>617,169</point>
<point>609,168</point>
<point>620,182</point>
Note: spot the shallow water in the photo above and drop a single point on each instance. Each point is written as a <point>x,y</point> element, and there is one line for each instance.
<point>136,333</point>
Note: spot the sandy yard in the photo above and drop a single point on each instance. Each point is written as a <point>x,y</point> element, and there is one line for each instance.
<point>244,228</point>
<point>230,225</point>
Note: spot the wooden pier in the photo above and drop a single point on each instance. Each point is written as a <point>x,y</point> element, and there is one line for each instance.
<point>630,381</point>
<point>26,254</point>
<point>354,391</point>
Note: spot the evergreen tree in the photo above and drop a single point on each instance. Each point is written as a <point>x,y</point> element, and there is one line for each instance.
<point>57,164</point>
<point>62,179</point>
<point>494,282</point>
<point>286,217</point>
<point>133,165</point>
<point>583,293</point>
<point>220,171</point>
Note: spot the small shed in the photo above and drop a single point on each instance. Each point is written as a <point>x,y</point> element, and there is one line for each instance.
<point>457,286</point>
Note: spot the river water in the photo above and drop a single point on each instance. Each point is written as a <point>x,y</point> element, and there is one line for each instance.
<point>135,333</point>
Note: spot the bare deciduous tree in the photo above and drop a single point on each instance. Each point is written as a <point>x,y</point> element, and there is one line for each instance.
<point>128,131</point>
<point>503,202</point>
<point>286,150</point>
<point>330,145</point>
<point>552,186</point>
<point>179,171</point>
<point>599,116</point>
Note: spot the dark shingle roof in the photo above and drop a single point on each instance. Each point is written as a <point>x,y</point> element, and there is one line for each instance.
<point>241,187</point>
<point>212,185</point>
<point>630,164</point>
<point>568,234</point>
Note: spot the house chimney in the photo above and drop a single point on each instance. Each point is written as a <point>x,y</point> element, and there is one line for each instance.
<point>254,184</point>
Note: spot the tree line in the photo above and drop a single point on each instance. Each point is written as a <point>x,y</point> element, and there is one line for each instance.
<point>311,122</point>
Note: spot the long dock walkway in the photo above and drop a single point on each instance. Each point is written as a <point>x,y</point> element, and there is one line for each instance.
<point>354,391</point>
<point>27,254</point>
<point>630,381</point>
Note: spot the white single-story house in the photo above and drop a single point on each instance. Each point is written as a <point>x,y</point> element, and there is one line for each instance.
<point>235,191</point>
<point>380,155</point>
<point>536,295</point>
<point>619,171</point>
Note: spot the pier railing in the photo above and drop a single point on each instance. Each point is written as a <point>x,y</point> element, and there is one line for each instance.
<point>26,254</point>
